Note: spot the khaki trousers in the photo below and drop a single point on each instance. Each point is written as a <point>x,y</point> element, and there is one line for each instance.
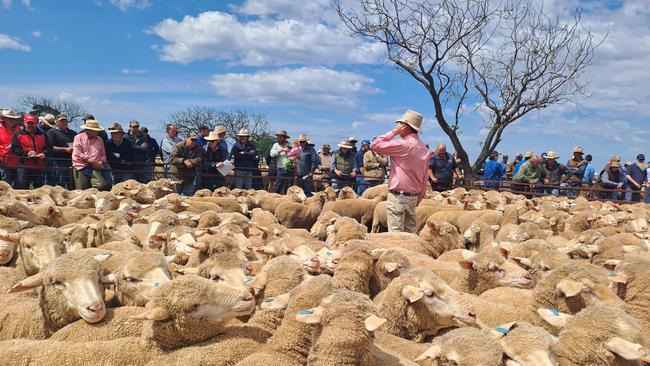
<point>401,216</point>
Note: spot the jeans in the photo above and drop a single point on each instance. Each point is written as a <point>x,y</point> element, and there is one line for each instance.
<point>8,175</point>
<point>636,195</point>
<point>646,198</point>
<point>119,177</point>
<point>552,191</point>
<point>372,183</point>
<point>341,183</point>
<point>143,172</point>
<point>361,185</point>
<point>27,177</point>
<point>83,180</point>
<point>244,179</point>
<point>50,172</point>
<point>283,180</point>
<point>186,188</point>
<point>307,185</point>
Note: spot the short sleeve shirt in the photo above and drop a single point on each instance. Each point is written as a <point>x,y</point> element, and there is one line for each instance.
<point>443,168</point>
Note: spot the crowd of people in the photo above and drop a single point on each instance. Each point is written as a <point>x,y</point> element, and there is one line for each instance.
<point>37,150</point>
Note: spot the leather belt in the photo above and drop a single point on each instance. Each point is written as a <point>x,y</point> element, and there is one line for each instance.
<point>404,193</point>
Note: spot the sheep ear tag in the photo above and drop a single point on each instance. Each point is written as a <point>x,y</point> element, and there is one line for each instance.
<point>554,317</point>
<point>625,349</point>
<point>310,316</point>
<point>503,330</point>
<point>412,293</point>
<point>373,322</point>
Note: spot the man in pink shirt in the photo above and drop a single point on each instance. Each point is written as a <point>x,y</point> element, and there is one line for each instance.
<point>407,181</point>
<point>89,158</point>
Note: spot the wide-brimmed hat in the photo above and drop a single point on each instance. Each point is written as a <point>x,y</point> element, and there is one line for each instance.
<point>212,136</point>
<point>309,142</point>
<point>353,139</point>
<point>413,119</point>
<point>282,133</point>
<point>615,164</point>
<point>92,125</point>
<point>61,116</point>
<point>345,144</point>
<point>134,123</point>
<point>243,132</point>
<point>193,135</point>
<point>578,149</point>
<point>528,155</point>
<point>219,129</point>
<point>326,146</point>
<point>615,158</point>
<point>115,127</point>
<point>48,120</point>
<point>302,138</point>
<point>9,113</point>
<point>552,155</point>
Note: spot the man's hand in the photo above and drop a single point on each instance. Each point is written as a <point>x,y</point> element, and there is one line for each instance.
<point>31,153</point>
<point>401,127</point>
<point>311,174</point>
<point>219,165</point>
<point>337,172</point>
<point>187,163</point>
<point>40,156</point>
<point>68,150</point>
<point>96,165</point>
<point>434,179</point>
<point>619,185</point>
<point>353,174</point>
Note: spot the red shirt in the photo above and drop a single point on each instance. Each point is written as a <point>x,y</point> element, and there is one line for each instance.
<point>23,142</point>
<point>409,159</point>
<point>6,135</point>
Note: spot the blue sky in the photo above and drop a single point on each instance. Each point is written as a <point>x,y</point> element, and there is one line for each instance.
<point>125,59</point>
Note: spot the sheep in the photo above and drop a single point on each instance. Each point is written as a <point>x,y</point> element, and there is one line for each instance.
<point>422,214</point>
<point>525,344</point>
<point>480,235</point>
<point>73,215</point>
<point>376,191</point>
<point>18,210</point>
<point>114,228</point>
<point>160,222</point>
<point>36,247</point>
<point>490,217</point>
<point>134,190</point>
<point>360,209</point>
<point>297,215</point>
<point>418,303</point>
<point>600,335</point>
<point>9,225</point>
<point>290,344</point>
<point>77,236</point>
<point>106,201</point>
<point>262,218</point>
<point>84,199</point>
<point>70,289</point>
<point>344,337</point>
<point>527,231</point>
<point>465,347</point>
<point>354,271</point>
<point>487,270</point>
<point>130,205</point>
<point>323,222</point>
<point>174,202</point>
<point>630,282</point>
<point>344,229</point>
<point>346,193</point>
<point>161,187</point>
<point>50,215</point>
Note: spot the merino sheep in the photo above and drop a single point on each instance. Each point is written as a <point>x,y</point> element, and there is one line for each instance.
<point>8,252</point>
<point>465,347</point>
<point>526,344</point>
<point>354,271</point>
<point>630,280</point>
<point>360,209</point>
<point>36,247</point>
<point>297,215</point>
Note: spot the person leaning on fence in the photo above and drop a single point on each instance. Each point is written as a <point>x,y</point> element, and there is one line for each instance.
<point>60,139</point>
<point>528,175</point>
<point>442,168</point>
<point>374,167</point>
<point>8,161</point>
<point>552,173</point>
<point>611,177</point>
<point>323,167</point>
<point>408,175</point>
<point>166,146</point>
<point>493,171</point>
<point>525,157</point>
<point>90,168</point>
<point>119,154</point>
<point>576,170</point>
<point>343,167</point>
<point>307,164</point>
<point>365,146</point>
<point>588,177</point>
<point>246,158</point>
<point>637,177</point>
<point>285,172</point>
<point>204,131</point>
<point>216,152</point>
<point>146,149</point>
<point>29,145</point>
<point>45,124</point>
<point>504,165</point>
<point>187,157</point>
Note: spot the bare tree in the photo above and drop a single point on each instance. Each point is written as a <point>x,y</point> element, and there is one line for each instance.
<point>43,105</point>
<point>193,117</point>
<point>507,58</point>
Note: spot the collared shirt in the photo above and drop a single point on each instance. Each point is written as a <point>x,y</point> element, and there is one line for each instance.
<point>493,171</point>
<point>589,174</point>
<point>84,149</point>
<point>166,146</point>
<point>528,173</point>
<point>443,167</point>
<point>409,162</point>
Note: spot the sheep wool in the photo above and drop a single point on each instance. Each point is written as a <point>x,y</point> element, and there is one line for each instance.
<point>465,347</point>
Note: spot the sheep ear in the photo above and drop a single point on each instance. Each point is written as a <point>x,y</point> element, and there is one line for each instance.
<point>569,287</point>
<point>412,293</point>
<point>22,224</point>
<point>188,271</point>
<point>101,258</point>
<point>141,220</point>
<point>310,316</point>
<point>94,216</point>
<point>157,313</point>
<point>108,279</point>
<point>109,295</point>
<point>503,330</point>
<point>431,225</point>
<point>495,227</point>
<point>433,352</point>
<point>505,247</point>
<point>275,303</point>
<point>373,322</point>
<point>13,237</point>
<point>50,209</point>
<point>160,237</point>
<point>618,278</point>
<point>170,258</point>
<point>611,264</point>
<point>468,265</point>
<point>259,282</point>
<point>554,317</point>
<point>390,267</point>
<point>523,262</point>
<point>28,283</point>
<point>185,204</point>
<point>625,349</point>
<point>377,253</point>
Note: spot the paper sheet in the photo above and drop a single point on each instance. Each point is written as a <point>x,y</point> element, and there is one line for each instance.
<point>226,168</point>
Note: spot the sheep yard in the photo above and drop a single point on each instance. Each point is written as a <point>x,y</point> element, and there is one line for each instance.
<point>143,276</point>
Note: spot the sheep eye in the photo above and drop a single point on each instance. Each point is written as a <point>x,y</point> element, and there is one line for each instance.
<point>192,308</point>
<point>215,277</point>
<point>131,279</point>
<point>57,283</point>
<point>28,246</point>
<point>109,227</point>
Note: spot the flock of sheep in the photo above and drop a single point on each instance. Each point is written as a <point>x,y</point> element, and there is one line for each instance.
<point>142,276</point>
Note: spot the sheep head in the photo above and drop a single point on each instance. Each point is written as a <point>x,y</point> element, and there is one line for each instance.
<point>37,246</point>
<point>491,269</point>
<point>139,277</point>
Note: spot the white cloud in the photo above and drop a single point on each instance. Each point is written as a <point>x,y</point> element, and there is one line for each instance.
<point>13,43</point>
<point>357,125</point>
<point>37,34</point>
<point>133,71</point>
<point>221,36</point>
<point>311,85</point>
<point>286,9</point>
<point>124,5</point>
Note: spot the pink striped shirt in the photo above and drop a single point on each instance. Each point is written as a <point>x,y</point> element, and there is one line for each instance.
<point>409,159</point>
<point>84,149</point>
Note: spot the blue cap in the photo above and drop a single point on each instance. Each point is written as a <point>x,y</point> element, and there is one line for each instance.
<point>365,142</point>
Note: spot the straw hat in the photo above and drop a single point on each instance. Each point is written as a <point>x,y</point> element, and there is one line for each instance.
<point>413,119</point>
<point>48,120</point>
<point>219,129</point>
<point>92,125</point>
<point>242,132</point>
<point>615,158</point>
<point>302,138</point>
<point>552,155</point>
<point>193,135</point>
<point>309,142</point>
<point>282,133</point>
<point>134,122</point>
<point>578,149</point>
<point>115,127</point>
<point>345,144</point>
<point>8,113</point>
<point>214,135</point>
<point>528,155</point>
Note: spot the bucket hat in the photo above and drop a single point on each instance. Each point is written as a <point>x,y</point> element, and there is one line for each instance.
<point>48,120</point>
<point>302,138</point>
<point>282,133</point>
<point>578,149</point>
<point>345,144</point>
<point>9,113</point>
<point>243,132</point>
<point>552,155</point>
<point>214,135</point>
<point>413,119</point>
<point>92,125</point>
<point>219,129</point>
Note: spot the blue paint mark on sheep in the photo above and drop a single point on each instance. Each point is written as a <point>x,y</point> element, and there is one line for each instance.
<point>554,311</point>
<point>502,330</point>
<point>305,312</point>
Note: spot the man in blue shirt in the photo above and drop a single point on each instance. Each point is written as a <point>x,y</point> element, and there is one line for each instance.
<point>361,186</point>
<point>119,154</point>
<point>307,164</point>
<point>493,171</point>
<point>442,167</point>
<point>527,156</point>
<point>590,172</point>
<point>637,177</point>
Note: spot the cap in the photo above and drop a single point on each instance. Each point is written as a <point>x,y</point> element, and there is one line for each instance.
<point>87,117</point>
<point>326,146</point>
<point>640,157</point>
<point>494,153</point>
<point>365,142</point>
<point>578,149</point>
<point>61,116</point>
<point>528,154</point>
<point>193,135</point>
<point>134,123</point>
<point>30,118</point>
<point>115,128</point>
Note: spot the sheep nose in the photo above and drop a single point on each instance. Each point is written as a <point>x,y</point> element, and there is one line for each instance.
<point>247,296</point>
<point>472,314</point>
<point>95,307</point>
<point>527,276</point>
<point>4,253</point>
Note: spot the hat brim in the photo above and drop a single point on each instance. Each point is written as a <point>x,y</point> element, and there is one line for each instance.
<point>210,139</point>
<point>98,129</point>
<point>345,146</point>
<point>116,131</point>
<point>552,157</point>
<point>410,124</point>
<point>11,116</point>
<point>283,134</point>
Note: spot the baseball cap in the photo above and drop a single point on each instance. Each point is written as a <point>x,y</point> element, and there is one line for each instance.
<point>640,157</point>
<point>365,142</point>
<point>193,135</point>
<point>30,118</point>
<point>134,123</point>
